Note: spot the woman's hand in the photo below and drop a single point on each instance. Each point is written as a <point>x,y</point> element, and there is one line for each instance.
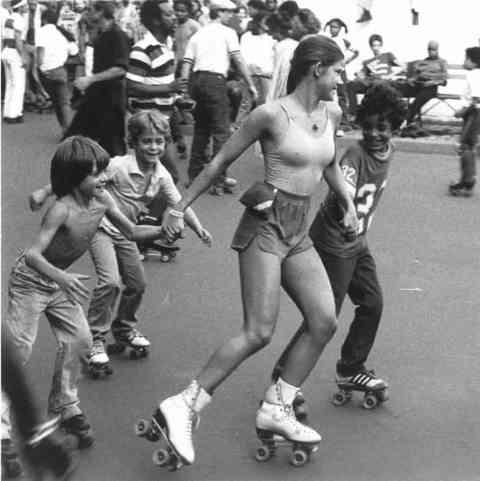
<point>173,224</point>
<point>205,236</point>
<point>73,286</point>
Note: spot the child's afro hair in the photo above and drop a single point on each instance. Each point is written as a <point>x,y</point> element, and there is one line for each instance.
<point>383,100</point>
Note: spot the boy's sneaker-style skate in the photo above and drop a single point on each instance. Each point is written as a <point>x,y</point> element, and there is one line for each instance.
<point>277,425</point>
<point>98,360</point>
<point>174,422</point>
<point>48,452</point>
<point>78,427</point>
<point>224,186</point>
<point>11,466</point>
<point>375,389</point>
<point>131,338</point>
<point>461,189</point>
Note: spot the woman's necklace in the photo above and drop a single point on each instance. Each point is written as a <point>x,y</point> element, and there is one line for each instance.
<point>315,126</point>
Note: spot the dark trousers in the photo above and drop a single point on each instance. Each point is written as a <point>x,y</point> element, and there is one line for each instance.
<point>421,95</point>
<point>55,83</point>
<point>354,87</point>
<point>357,277</point>
<point>102,119</point>
<point>211,115</point>
<point>468,143</point>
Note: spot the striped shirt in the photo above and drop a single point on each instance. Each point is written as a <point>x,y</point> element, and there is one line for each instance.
<point>152,63</point>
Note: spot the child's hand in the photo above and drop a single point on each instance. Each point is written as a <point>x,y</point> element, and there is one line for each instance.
<point>205,236</point>
<point>350,221</point>
<point>172,225</point>
<point>37,199</point>
<point>73,286</point>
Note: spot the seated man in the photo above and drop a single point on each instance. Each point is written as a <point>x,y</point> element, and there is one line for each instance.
<point>423,79</point>
<point>379,67</point>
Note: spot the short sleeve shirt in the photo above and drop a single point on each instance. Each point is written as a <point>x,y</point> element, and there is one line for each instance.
<point>380,66</point>
<point>152,63</point>
<point>211,47</point>
<point>366,178</point>
<point>133,191</point>
<point>111,49</point>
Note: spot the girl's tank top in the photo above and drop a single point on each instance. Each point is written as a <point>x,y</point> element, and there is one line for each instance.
<point>296,164</point>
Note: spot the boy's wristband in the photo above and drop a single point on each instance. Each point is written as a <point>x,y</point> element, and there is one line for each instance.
<point>176,213</point>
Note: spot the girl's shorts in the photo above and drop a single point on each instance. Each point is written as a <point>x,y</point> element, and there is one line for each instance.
<point>281,230</point>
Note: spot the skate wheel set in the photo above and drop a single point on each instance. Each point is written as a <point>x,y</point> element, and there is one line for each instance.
<point>300,452</point>
<point>134,354</point>
<point>371,399</point>
<point>98,370</point>
<point>155,431</point>
<point>164,253</point>
<point>219,190</point>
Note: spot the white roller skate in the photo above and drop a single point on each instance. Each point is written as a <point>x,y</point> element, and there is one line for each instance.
<point>375,389</point>
<point>277,425</point>
<point>98,360</point>
<point>174,422</point>
<point>133,339</point>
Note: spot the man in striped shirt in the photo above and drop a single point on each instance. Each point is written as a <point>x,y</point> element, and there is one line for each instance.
<point>151,82</point>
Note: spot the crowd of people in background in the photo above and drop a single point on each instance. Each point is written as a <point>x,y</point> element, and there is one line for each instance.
<point>127,76</point>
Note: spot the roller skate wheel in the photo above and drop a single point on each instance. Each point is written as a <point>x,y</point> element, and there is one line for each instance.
<point>165,258</point>
<point>341,397</point>
<point>142,427</point>
<point>370,401</point>
<point>94,374</point>
<point>383,395</point>
<point>160,457</point>
<point>108,371</point>
<point>299,458</point>
<point>263,454</point>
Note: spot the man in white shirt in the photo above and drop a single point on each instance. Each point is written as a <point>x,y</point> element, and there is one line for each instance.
<point>208,54</point>
<point>14,61</point>
<point>53,49</point>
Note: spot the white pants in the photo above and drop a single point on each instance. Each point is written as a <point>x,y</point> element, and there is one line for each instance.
<point>15,77</point>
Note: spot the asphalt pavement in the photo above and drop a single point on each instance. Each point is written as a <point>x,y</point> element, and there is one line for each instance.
<point>427,247</point>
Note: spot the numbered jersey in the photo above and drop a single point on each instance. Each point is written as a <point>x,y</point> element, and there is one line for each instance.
<point>366,177</point>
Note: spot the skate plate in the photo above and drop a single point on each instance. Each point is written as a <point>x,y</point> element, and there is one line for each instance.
<point>162,251</point>
<point>301,453</point>
<point>135,353</point>
<point>98,370</point>
<point>371,399</point>
<point>156,430</point>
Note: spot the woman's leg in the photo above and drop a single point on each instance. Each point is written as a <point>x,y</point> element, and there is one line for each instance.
<point>306,282</point>
<point>260,284</point>
<point>260,288</point>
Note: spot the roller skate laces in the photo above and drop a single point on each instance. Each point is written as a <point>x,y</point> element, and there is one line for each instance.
<point>180,415</point>
<point>97,353</point>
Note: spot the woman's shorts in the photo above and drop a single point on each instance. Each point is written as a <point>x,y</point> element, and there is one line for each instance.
<point>282,230</point>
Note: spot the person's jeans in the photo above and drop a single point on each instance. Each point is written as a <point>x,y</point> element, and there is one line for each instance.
<point>30,296</point>
<point>354,87</point>
<point>357,277</point>
<point>55,83</point>
<point>211,114</point>
<point>116,260</point>
<point>468,145</point>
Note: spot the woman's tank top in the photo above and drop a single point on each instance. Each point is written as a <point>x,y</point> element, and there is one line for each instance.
<point>296,164</point>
